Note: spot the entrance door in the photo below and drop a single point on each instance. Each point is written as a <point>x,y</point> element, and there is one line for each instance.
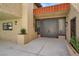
<point>49,28</point>
<point>73,27</point>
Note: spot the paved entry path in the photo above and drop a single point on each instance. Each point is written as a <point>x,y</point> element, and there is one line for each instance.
<point>38,47</point>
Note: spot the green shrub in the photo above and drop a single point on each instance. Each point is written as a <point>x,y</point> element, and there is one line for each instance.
<point>75,43</point>
<point>73,40</point>
<point>23,31</point>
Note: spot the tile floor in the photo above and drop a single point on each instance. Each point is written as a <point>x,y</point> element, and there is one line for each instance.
<point>38,47</point>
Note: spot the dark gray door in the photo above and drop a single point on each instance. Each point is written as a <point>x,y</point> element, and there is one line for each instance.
<point>49,28</point>
<point>73,27</point>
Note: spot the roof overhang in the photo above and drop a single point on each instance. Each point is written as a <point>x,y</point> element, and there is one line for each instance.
<point>52,15</point>
<point>38,4</point>
<point>60,10</point>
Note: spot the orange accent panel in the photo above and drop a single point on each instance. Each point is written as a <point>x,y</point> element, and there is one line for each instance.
<point>42,10</point>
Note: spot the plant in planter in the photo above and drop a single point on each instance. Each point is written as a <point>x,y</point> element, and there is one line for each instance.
<point>21,38</point>
<point>23,31</point>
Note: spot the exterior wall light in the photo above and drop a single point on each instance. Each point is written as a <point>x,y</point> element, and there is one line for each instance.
<point>15,22</point>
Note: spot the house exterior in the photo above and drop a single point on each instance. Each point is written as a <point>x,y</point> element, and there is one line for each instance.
<point>69,11</point>
<point>17,14</point>
<point>26,15</point>
<point>72,14</point>
<point>56,14</point>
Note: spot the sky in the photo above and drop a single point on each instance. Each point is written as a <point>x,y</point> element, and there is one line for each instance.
<point>48,4</point>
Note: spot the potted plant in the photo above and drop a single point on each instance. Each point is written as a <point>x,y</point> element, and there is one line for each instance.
<point>22,37</point>
<point>23,31</point>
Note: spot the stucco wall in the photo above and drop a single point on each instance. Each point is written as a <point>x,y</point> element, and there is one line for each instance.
<point>31,28</point>
<point>28,20</point>
<point>8,34</point>
<point>11,8</point>
<point>73,13</point>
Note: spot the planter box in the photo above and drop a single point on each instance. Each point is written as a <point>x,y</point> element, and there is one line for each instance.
<point>22,39</point>
<point>71,50</point>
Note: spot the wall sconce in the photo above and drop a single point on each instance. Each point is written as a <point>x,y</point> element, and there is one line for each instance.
<point>15,22</point>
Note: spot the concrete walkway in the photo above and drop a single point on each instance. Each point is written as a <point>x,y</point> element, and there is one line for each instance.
<point>37,47</point>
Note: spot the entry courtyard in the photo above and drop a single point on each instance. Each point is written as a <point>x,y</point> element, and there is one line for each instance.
<point>42,46</point>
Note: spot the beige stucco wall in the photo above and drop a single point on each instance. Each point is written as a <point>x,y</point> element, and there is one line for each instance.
<point>8,34</point>
<point>11,8</point>
<point>73,13</point>
<point>8,12</point>
<point>27,22</point>
<point>31,28</point>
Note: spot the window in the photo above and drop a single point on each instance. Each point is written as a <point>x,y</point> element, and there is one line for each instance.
<point>7,26</point>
